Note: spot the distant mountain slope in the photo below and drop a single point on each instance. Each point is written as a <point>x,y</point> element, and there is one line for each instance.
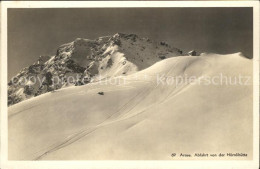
<point>86,61</point>
<point>142,119</point>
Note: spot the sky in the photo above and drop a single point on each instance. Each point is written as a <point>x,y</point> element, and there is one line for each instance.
<point>33,32</point>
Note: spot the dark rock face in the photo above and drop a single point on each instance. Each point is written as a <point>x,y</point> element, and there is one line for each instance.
<point>28,90</point>
<point>109,62</point>
<point>75,67</point>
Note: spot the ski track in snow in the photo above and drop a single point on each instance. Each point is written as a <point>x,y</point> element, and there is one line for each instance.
<point>84,132</point>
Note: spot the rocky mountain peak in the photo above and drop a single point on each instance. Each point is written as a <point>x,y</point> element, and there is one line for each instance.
<point>84,61</point>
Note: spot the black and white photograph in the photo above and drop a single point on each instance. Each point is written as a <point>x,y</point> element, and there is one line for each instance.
<point>125,83</point>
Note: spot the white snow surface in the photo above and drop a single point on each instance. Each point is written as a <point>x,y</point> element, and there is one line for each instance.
<point>139,120</point>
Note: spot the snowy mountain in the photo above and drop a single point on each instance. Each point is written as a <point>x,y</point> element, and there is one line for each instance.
<point>141,119</point>
<point>83,61</point>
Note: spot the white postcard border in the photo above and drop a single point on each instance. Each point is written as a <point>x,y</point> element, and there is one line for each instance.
<point>5,164</point>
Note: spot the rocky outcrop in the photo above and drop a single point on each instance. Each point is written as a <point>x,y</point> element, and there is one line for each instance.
<point>192,53</point>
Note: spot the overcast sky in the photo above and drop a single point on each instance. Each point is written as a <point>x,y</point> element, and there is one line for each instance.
<point>35,32</point>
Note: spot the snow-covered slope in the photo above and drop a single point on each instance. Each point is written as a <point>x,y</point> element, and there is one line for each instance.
<point>140,119</point>
<point>83,61</point>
